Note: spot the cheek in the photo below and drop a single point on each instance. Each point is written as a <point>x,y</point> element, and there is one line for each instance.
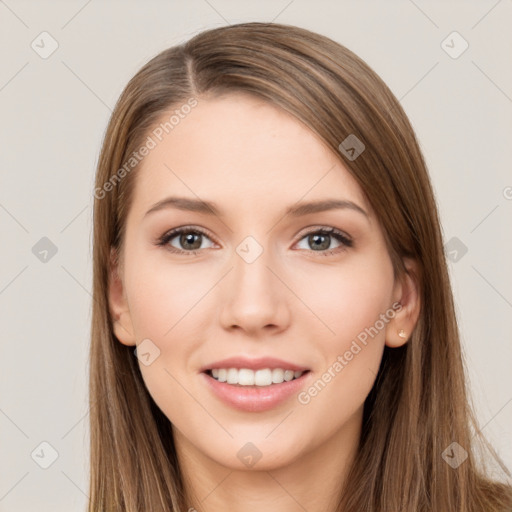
<point>351,303</point>
<point>346,300</point>
<point>166,303</point>
<point>162,296</point>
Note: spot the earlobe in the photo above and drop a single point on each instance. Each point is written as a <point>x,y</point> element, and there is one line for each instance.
<point>119,310</point>
<point>407,294</point>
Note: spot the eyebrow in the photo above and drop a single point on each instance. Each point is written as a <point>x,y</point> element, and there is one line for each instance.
<point>297,210</point>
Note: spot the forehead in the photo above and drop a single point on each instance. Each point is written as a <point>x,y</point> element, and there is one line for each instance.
<point>241,151</point>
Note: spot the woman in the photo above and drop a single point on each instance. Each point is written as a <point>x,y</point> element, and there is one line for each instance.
<point>273,324</point>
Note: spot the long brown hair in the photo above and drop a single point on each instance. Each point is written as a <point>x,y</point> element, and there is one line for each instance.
<point>418,405</point>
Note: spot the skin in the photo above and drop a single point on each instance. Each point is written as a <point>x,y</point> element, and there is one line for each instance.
<point>293,302</point>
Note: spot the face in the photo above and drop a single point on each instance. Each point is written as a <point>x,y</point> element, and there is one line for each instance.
<point>309,290</point>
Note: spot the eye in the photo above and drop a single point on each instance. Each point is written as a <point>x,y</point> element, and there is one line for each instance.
<point>189,238</point>
<point>321,239</point>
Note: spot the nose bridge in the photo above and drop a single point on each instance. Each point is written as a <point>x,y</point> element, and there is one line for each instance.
<point>255,295</point>
<point>251,274</point>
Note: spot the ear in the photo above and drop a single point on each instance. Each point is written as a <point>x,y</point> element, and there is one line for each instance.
<point>407,294</point>
<point>119,310</point>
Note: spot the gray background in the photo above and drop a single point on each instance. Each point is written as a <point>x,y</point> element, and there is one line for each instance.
<point>54,113</point>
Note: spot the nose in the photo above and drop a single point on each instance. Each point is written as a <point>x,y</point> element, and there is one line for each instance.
<point>254,298</point>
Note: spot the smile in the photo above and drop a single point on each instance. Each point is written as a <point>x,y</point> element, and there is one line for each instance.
<point>248,377</point>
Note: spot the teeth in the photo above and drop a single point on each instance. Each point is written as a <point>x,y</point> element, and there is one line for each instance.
<point>247,377</point>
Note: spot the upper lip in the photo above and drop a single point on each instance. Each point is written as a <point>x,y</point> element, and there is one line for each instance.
<point>254,364</point>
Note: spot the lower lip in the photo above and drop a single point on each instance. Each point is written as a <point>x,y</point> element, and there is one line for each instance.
<point>255,398</point>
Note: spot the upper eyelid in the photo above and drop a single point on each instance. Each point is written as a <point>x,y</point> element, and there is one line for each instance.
<point>188,228</point>
<point>321,227</point>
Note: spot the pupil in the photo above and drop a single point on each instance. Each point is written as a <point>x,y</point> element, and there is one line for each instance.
<point>188,239</point>
<point>314,239</point>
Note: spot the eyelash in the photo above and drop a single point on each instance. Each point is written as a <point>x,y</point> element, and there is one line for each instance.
<point>335,233</point>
